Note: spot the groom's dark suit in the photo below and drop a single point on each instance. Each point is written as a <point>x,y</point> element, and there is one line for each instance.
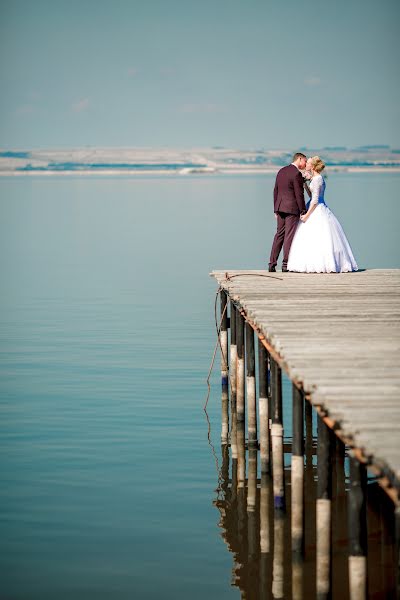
<point>288,205</point>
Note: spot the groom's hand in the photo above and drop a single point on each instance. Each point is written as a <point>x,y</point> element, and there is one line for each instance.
<point>275,215</point>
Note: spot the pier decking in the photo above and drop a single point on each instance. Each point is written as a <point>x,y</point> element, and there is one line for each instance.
<point>337,336</point>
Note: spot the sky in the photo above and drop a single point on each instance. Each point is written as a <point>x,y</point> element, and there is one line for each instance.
<point>172,73</point>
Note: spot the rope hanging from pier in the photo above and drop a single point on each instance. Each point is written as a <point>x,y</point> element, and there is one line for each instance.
<point>218,325</point>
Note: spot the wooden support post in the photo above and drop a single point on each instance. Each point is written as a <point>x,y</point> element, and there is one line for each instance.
<point>340,472</point>
<point>265,578</point>
<point>297,576</point>
<point>233,352</point>
<point>297,497</point>
<point>357,523</point>
<point>263,407</point>
<point>324,512</point>
<point>232,378</point>
<point>309,433</point>
<point>265,527</point>
<point>224,338</point>
<point>233,432</point>
<point>241,451</point>
<point>241,556</point>
<point>277,437</point>
<point>279,555</point>
<point>251,505</point>
<point>234,483</point>
<point>240,381</point>
<point>224,368</point>
<point>252,480</point>
<point>251,387</point>
<point>224,471</point>
<point>266,534</point>
<point>339,515</point>
<point>298,472</point>
<point>269,394</point>
<point>225,414</point>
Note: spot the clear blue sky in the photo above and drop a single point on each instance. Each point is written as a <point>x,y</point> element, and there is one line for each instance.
<point>178,73</point>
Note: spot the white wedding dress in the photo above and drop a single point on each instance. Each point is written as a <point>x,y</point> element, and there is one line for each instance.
<point>320,244</point>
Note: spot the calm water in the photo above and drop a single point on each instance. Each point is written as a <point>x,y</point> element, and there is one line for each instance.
<point>108,481</point>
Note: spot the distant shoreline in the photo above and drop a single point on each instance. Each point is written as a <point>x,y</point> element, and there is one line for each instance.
<point>185,172</point>
<point>132,162</point>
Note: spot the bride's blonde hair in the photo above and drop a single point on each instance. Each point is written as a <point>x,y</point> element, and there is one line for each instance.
<point>317,164</point>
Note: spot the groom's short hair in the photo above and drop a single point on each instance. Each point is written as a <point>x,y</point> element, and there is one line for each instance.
<point>298,155</point>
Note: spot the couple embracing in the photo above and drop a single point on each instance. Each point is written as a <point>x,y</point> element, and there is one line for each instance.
<point>312,238</point>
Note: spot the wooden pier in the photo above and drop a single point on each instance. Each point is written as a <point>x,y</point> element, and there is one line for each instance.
<point>337,337</point>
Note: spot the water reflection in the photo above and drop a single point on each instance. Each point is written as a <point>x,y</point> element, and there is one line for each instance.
<point>258,536</point>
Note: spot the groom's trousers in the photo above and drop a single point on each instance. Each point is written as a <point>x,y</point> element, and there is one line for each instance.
<point>286,228</point>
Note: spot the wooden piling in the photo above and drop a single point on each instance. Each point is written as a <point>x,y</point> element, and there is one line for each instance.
<point>297,576</point>
<point>233,432</point>
<point>251,387</point>
<point>224,338</point>
<point>240,380</point>
<point>279,555</point>
<point>251,504</point>
<point>224,471</point>
<point>277,437</point>
<point>297,493</point>
<point>357,527</point>
<point>234,483</point>
<point>308,417</point>
<point>224,368</point>
<point>252,480</point>
<point>297,472</point>
<point>233,351</point>
<point>265,578</point>
<point>225,414</point>
<point>339,514</point>
<point>263,407</point>
<point>241,452</point>
<point>266,533</point>
<point>265,526</point>
<point>241,525</point>
<point>324,512</point>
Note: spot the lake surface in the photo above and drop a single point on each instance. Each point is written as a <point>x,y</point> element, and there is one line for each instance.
<point>106,337</point>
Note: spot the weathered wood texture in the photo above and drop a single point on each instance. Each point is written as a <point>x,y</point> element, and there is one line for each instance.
<point>338,336</point>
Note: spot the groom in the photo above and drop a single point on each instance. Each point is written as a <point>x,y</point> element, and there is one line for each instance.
<point>288,206</point>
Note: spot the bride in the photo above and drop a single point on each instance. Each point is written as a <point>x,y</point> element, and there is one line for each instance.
<point>319,244</point>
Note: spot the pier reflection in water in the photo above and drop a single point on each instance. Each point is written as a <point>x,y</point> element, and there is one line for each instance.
<point>258,535</point>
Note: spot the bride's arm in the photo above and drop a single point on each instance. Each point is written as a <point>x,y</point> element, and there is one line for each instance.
<point>309,212</point>
<point>314,199</point>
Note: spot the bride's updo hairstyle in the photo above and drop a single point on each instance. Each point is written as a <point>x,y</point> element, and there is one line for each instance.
<point>317,164</point>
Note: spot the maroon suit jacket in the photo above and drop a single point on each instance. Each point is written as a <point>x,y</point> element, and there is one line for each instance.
<point>289,191</point>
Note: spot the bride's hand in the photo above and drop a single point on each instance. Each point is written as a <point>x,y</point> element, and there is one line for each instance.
<point>303,218</point>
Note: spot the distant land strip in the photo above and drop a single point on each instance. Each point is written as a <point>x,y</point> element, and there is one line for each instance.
<point>86,161</point>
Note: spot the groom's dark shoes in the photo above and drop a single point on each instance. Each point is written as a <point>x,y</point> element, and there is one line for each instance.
<point>272,269</point>
<point>284,270</point>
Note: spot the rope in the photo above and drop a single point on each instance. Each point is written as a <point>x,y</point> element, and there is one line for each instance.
<point>229,277</point>
<point>218,326</point>
<point>225,359</point>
